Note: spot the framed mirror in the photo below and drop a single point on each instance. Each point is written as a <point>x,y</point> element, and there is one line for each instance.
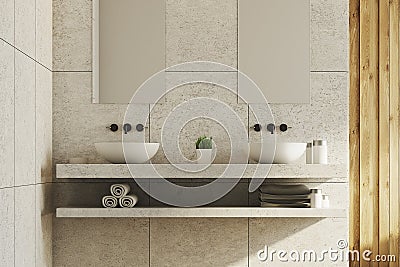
<point>128,47</point>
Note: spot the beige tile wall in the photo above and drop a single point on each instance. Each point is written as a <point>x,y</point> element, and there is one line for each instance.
<point>195,30</point>
<point>25,138</point>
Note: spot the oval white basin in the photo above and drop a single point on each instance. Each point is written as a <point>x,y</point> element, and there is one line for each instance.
<point>136,153</point>
<point>284,153</point>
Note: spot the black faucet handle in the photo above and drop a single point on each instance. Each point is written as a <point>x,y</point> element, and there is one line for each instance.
<point>283,127</point>
<point>257,127</point>
<point>140,127</point>
<point>113,127</point>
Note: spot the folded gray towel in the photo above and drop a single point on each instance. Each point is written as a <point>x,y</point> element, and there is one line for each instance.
<point>128,201</point>
<point>285,189</point>
<point>109,202</point>
<point>293,205</point>
<point>264,196</point>
<point>291,201</point>
<point>120,190</point>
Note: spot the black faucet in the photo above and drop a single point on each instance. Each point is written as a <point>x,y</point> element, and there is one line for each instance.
<point>127,128</point>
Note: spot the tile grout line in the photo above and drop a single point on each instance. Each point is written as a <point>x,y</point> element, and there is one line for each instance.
<point>14,136</point>
<point>71,71</point>
<point>149,241</point>
<point>35,140</point>
<point>248,242</point>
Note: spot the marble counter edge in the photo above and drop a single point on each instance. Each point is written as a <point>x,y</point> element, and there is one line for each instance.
<point>213,212</point>
<point>121,171</point>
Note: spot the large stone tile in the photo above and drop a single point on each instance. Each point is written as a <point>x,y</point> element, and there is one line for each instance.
<point>44,32</point>
<point>43,124</point>
<point>24,119</point>
<point>101,242</point>
<point>329,113</point>
<point>295,234</point>
<point>198,242</point>
<point>187,114</point>
<point>7,227</point>
<point>186,85</point>
<point>329,35</point>
<point>25,26</point>
<point>72,35</point>
<point>25,226</point>
<point>325,118</point>
<point>7,114</point>
<point>44,228</point>
<point>78,123</point>
<point>7,20</point>
<point>201,30</point>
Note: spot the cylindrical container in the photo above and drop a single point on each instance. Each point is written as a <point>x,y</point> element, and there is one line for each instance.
<point>309,154</point>
<point>325,201</point>
<point>316,198</point>
<point>320,152</point>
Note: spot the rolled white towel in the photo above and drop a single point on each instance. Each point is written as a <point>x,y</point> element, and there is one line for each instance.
<point>109,202</point>
<point>120,190</point>
<point>128,201</point>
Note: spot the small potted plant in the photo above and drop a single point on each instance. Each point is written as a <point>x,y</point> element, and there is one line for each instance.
<point>204,150</point>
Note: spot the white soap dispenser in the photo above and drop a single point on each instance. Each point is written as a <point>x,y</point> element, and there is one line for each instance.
<point>316,198</point>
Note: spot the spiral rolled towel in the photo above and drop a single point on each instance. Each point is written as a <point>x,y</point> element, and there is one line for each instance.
<point>109,202</point>
<point>120,190</point>
<point>128,201</point>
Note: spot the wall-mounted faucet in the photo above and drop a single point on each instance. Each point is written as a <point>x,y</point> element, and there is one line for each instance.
<point>271,128</point>
<point>127,128</point>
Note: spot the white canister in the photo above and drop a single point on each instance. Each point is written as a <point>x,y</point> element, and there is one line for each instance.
<point>309,154</point>
<point>316,198</point>
<point>325,201</point>
<point>320,152</point>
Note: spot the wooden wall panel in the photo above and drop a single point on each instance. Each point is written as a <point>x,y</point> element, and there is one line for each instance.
<point>384,136</point>
<point>394,130</point>
<point>354,137</point>
<point>374,128</point>
<point>369,119</point>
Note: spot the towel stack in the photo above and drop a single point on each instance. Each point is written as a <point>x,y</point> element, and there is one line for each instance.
<point>120,196</point>
<point>284,196</point>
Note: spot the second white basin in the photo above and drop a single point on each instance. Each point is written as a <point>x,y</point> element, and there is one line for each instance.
<point>285,152</point>
<point>136,153</point>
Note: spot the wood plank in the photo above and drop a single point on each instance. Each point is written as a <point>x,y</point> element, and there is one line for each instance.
<point>394,129</point>
<point>369,127</point>
<point>384,136</point>
<point>354,136</point>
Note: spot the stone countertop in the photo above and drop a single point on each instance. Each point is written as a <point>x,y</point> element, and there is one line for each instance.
<point>213,212</point>
<point>337,172</point>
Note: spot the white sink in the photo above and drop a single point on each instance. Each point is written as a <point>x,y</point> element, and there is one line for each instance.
<point>284,153</point>
<point>135,152</point>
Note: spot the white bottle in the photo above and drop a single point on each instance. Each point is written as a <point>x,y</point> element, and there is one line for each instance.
<point>320,152</point>
<point>316,198</point>
<point>325,201</point>
<point>309,153</point>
